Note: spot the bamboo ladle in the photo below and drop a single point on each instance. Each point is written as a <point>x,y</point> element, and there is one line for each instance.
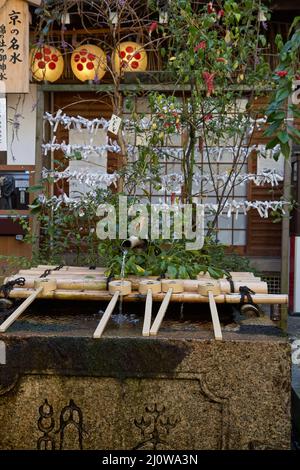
<point>211,289</point>
<point>116,288</point>
<point>170,287</point>
<point>149,287</point>
<point>41,286</point>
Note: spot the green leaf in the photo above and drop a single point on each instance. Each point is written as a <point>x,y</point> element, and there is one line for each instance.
<point>272,129</point>
<point>172,271</point>
<point>262,40</point>
<point>272,143</point>
<point>283,137</point>
<point>282,94</point>
<point>182,272</point>
<point>285,149</point>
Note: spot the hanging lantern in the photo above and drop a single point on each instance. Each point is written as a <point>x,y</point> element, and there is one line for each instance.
<point>88,62</point>
<point>47,63</point>
<point>129,57</point>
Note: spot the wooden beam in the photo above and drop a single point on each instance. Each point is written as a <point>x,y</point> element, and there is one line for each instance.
<point>109,87</point>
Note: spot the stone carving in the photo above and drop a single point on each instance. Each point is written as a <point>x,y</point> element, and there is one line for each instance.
<point>70,427</point>
<point>154,425</point>
<point>46,425</point>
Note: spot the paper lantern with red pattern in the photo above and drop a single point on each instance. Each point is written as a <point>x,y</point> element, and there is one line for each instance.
<point>47,63</point>
<point>129,57</point>
<point>88,62</point>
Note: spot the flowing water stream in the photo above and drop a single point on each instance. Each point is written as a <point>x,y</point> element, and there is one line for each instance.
<point>121,318</point>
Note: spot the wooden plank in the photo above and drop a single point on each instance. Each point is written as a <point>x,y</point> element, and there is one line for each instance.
<point>14,76</point>
<point>106,316</point>
<point>161,313</point>
<point>13,317</point>
<point>59,87</point>
<point>215,317</point>
<point>148,313</point>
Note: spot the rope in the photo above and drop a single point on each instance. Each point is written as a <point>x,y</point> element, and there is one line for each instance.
<point>48,271</point>
<point>246,292</point>
<point>6,288</point>
<point>229,279</point>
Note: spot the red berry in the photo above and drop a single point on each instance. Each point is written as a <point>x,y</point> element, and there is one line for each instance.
<point>281,73</point>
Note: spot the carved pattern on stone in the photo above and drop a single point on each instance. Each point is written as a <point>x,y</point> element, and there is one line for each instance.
<point>223,401</point>
<point>71,418</point>
<point>154,425</point>
<point>70,421</point>
<point>46,425</point>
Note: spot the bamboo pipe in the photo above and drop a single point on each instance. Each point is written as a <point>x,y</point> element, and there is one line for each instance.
<point>161,313</point>
<point>39,272</point>
<point>187,297</point>
<point>148,314</point>
<point>69,284</point>
<point>257,287</point>
<point>106,316</point>
<point>191,285</point>
<point>44,285</point>
<point>43,267</point>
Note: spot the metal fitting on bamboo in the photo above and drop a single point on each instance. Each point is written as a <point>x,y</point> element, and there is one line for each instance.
<point>149,284</point>
<point>174,284</point>
<point>123,287</point>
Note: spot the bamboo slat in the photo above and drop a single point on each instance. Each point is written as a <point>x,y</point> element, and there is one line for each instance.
<point>106,316</point>
<point>214,316</point>
<point>13,317</point>
<point>188,297</point>
<point>161,313</point>
<point>148,314</point>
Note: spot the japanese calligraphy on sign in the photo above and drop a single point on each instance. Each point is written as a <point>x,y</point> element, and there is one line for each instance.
<point>14,47</point>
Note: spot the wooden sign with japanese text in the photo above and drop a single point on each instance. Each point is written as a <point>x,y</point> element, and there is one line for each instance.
<point>14,46</point>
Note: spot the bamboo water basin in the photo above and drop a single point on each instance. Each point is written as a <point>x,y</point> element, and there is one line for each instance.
<point>77,283</point>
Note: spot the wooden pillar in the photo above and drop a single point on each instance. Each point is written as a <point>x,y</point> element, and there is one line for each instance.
<point>38,156</point>
<point>285,239</point>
